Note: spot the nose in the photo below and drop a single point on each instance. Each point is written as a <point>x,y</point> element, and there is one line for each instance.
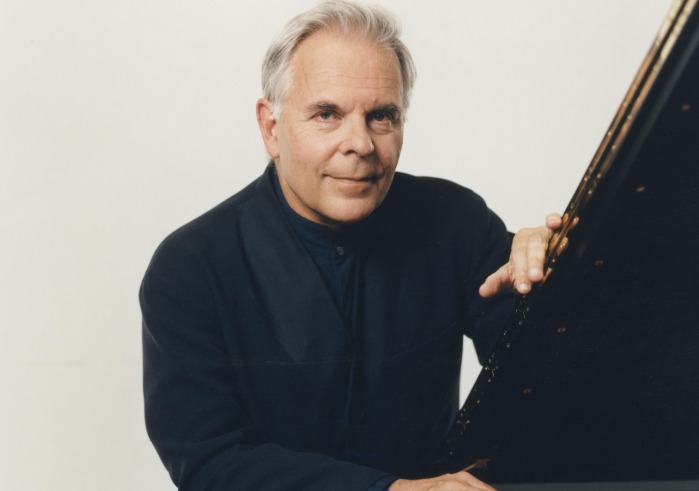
<point>357,138</point>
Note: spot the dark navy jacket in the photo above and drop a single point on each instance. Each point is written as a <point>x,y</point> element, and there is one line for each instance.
<point>253,380</point>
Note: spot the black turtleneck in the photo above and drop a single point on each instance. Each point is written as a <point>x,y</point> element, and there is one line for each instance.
<point>334,252</point>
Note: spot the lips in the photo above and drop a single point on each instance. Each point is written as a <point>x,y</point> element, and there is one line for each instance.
<point>361,178</point>
<point>355,179</point>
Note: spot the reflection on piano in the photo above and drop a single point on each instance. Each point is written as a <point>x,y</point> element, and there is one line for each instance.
<point>596,377</point>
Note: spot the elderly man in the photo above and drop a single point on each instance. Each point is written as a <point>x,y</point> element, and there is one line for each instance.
<point>306,333</point>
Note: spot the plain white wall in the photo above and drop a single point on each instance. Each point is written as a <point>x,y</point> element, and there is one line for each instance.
<point>121,120</point>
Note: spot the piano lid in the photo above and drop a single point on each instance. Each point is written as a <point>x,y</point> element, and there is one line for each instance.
<point>596,377</point>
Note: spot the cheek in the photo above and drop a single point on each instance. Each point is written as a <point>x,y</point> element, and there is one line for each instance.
<point>389,151</point>
<point>311,147</point>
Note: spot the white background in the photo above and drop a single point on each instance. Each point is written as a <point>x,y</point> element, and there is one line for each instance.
<point>121,120</point>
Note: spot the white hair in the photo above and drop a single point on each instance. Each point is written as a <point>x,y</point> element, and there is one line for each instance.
<point>346,18</point>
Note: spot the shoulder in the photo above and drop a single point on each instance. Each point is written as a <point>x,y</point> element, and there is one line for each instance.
<point>210,236</point>
<point>435,198</point>
<point>437,211</point>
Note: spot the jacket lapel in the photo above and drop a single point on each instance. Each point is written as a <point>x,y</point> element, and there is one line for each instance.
<point>288,285</point>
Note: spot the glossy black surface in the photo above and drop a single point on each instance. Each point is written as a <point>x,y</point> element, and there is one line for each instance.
<point>597,376</point>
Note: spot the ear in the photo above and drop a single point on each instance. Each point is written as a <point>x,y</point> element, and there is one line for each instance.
<point>268,127</point>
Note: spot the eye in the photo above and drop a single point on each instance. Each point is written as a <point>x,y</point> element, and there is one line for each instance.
<point>326,116</point>
<point>383,117</point>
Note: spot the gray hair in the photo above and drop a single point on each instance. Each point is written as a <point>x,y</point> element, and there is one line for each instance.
<point>346,18</point>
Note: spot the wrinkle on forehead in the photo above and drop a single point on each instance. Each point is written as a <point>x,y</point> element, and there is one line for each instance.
<point>319,82</point>
<point>326,60</point>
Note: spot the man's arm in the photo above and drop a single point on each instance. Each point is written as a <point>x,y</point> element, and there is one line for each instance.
<point>195,412</point>
<point>524,267</point>
<point>526,263</point>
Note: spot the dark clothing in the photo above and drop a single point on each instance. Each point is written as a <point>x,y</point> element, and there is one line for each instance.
<point>254,379</point>
<point>334,253</point>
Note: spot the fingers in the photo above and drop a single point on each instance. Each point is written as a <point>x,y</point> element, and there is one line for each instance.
<point>460,481</point>
<point>529,260</point>
<point>495,282</point>
<point>553,221</point>
<point>524,267</point>
<point>536,253</point>
<point>474,482</point>
<point>526,263</point>
<point>519,261</point>
<point>529,253</point>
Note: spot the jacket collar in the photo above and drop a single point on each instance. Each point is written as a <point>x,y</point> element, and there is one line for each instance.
<point>291,290</point>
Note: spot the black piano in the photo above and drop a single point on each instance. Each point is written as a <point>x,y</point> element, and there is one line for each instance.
<point>594,384</point>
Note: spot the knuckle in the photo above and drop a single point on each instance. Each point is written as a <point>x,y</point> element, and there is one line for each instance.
<point>542,239</point>
<point>522,234</point>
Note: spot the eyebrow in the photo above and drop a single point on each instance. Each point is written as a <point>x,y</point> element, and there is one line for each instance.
<point>329,106</point>
<point>392,108</point>
<point>322,106</point>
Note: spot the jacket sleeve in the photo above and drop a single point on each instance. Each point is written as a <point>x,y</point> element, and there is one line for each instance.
<point>491,243</point>
<point>195,415</point>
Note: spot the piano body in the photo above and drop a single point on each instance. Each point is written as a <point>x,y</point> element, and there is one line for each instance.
<point>594,384</point>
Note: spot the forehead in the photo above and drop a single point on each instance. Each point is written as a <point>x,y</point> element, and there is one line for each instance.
<point>326,62</point>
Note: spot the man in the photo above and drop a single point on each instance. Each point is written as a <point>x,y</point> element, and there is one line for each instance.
<point>305,334</point>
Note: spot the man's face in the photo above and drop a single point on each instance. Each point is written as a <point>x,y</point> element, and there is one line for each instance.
<point>337,142</point>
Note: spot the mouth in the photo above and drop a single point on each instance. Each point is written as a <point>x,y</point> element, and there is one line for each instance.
<point>356,179</point>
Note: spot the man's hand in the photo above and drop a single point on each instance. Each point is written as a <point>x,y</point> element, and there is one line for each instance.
<point>461,481</point>
<point>526,264</point>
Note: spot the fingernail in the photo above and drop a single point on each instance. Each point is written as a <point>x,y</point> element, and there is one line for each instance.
<point>523,288</point>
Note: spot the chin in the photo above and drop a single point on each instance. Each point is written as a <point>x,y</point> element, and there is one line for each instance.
<point>352,214</point>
